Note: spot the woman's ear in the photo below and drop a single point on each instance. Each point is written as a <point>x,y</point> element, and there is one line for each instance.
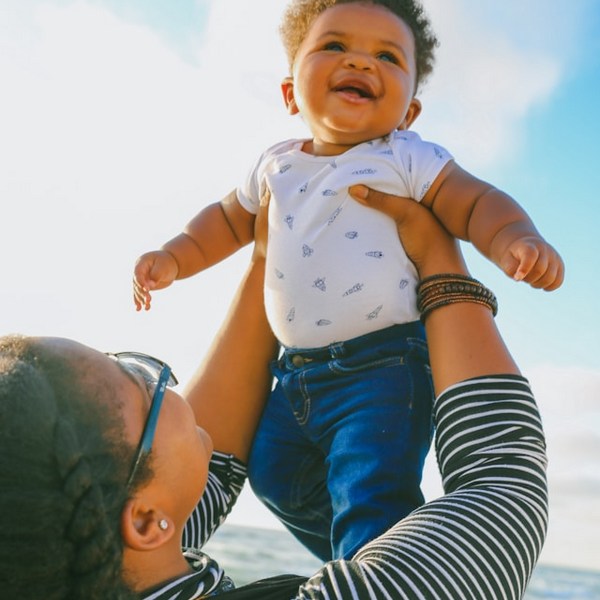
<point>414,110</point>
<point>287,89</point>
<point>143,527</point>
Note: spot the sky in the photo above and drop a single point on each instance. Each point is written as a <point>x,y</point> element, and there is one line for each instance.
<point>120,119</point>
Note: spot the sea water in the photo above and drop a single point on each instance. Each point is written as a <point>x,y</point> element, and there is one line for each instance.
<point>248,554</point>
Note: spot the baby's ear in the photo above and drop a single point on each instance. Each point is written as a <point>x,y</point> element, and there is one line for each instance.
<point>414,110</point>
<point>287,89</point>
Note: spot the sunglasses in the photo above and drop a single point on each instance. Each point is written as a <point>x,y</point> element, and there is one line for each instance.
<point>155,373</point>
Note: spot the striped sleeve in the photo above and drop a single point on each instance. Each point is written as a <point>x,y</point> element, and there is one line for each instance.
<point>226,477</point>
<point>482,539</point>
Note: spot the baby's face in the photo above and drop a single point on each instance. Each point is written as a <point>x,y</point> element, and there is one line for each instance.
<point>353,77</point>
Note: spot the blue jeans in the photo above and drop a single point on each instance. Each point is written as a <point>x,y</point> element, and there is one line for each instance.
<point>338,455</point>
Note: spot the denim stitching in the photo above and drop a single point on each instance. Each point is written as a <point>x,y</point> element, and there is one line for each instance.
<point>303,418</point>
<point>336,366</point>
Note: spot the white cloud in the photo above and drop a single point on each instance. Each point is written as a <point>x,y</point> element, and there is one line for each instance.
<point>485,84</point>
<point>107,102</point>
<point>101,97</point>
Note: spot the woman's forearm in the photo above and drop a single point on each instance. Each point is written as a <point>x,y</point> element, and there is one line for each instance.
<point>482,538</point>
<point>462,337</point>
<point>229,390</point>
<point>463,343</point>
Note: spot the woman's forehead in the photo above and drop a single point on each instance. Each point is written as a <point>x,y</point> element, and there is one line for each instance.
<point>95,368</point>
<point>106,381</point>
<point>70,350</point>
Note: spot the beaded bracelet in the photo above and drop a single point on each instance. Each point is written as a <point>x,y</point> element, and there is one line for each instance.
<point>447,288</point>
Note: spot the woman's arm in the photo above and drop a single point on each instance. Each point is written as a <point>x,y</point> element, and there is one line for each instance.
<point>229,389</point>
<point>228,392</point>
<point>482,539</point>
<point>463,339</point>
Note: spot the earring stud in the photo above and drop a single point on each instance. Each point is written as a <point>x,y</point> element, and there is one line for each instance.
<point>163,524</point>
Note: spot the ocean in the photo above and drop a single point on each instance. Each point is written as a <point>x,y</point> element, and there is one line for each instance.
<point>249,553</point>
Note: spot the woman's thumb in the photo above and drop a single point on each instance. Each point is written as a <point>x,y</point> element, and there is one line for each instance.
<point>393,206</point>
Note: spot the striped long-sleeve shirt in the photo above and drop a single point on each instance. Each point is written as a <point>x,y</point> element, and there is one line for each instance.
<point>481,540</point>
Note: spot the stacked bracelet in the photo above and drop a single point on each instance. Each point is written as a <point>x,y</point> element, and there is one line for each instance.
<point>448,288</point>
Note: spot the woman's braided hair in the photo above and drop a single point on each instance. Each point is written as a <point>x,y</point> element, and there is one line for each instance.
<point>62,480</point>
<point>300,15</point>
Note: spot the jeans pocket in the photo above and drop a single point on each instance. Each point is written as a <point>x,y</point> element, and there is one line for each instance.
<point>357,364</point>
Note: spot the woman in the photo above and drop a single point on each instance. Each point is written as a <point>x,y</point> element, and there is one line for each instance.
<point>87,511</point>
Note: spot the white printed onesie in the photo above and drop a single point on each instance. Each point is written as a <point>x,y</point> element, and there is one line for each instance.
<point>335,268</point>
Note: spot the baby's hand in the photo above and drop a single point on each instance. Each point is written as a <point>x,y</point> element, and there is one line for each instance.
<point>532,259</point>
<point>153,271</point>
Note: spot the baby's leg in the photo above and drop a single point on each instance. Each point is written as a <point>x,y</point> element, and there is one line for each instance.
<point>339,452</point>
<point>379,436</point>
<point>287,473</point>
<point>375,470</point>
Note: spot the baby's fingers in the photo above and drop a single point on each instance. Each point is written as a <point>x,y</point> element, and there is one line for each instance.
<point>141,296</point>
<point>549,274</point>
<point>530,264</point>
<point>552,278</point>
<point>539,266</point>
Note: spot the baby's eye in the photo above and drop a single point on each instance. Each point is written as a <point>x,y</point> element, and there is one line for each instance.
<point>388,57</point>
<point>334,46</point>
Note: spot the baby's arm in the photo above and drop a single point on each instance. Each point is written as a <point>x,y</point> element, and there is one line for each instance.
<point>213,234</point>
<point>496,225</point>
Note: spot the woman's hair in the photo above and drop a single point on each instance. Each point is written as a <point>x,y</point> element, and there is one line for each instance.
<point>63,468</point>
<point>300,15</point>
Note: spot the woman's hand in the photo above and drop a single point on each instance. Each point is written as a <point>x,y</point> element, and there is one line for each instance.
<point>428,245</point>
<point>462,338</point>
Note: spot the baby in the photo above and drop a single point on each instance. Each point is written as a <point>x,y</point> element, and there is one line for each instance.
<point>339,452</point>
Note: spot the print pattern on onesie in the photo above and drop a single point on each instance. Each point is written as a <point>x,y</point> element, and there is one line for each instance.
<point>335,268</point>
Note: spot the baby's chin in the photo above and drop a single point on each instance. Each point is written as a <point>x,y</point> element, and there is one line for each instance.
<point>354,139</point>
<point>339,142</point>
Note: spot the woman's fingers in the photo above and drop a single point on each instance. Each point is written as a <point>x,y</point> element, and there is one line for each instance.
<point>426,242</point>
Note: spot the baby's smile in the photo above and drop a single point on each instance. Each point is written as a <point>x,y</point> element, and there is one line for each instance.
<point>356,88</point>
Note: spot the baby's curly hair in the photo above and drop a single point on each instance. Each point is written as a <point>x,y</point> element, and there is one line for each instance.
<point>300,15</point>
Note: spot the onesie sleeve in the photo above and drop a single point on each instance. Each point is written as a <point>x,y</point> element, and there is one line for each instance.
<point>248,194</point>
<point>420,162</point>
<point>251,190</point>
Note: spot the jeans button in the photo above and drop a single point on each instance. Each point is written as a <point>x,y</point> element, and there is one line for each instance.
<point>297,361</point>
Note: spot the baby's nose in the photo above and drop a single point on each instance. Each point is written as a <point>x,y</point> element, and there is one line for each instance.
<point>360,62</point>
